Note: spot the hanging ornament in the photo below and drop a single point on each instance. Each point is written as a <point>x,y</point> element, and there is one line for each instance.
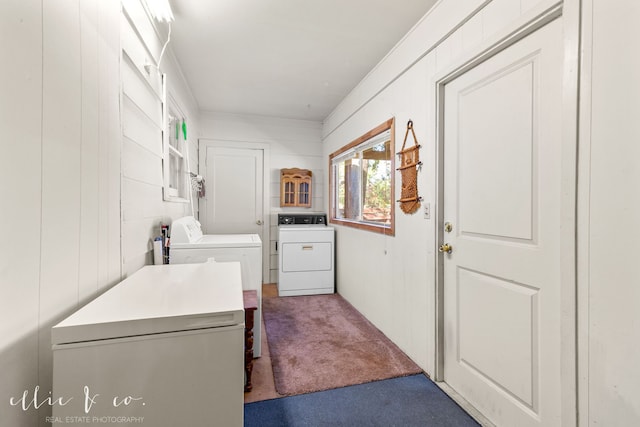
<point>409,164</point>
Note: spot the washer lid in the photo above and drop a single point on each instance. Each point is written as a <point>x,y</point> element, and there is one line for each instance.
<point>157,299</point>
<point>209,241</point>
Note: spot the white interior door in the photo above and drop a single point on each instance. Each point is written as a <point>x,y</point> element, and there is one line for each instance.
<point>502,197</point>
<point>233,201</point>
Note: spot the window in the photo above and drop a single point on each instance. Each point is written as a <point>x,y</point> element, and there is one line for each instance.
<point>174,163</point>
<point>362,181</point>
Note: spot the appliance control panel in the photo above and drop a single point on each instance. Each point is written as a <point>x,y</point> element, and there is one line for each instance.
<point>185,230</point>
<point>303,218</point>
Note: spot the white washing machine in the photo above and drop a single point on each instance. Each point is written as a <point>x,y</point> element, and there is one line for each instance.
<point>189,245</point>
<point>305,255</point>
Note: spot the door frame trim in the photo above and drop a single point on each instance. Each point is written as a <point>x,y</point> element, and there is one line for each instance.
<point>519,29</point>
<point>584,203</point>
<point>266,187</point>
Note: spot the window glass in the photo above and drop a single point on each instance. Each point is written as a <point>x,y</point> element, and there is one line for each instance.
<point>363,181</point>
<point>176,183</point>
<point>376,205</point>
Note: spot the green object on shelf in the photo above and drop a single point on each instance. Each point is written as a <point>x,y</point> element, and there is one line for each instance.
<point>184,129</point>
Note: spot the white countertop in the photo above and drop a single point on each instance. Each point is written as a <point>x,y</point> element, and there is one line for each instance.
<point>161,298</point>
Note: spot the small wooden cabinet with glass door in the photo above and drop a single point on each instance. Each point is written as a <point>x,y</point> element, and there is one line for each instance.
<point>295,188</point>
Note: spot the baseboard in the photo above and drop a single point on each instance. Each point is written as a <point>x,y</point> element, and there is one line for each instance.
<point>473,412</point>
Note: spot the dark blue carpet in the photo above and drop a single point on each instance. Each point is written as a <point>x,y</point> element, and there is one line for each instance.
<point>406,401</point>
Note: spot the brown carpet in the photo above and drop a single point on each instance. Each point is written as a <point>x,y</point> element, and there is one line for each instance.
<point>321,342</point>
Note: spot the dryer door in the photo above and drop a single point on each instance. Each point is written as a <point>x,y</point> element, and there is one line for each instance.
<point>307,256</point>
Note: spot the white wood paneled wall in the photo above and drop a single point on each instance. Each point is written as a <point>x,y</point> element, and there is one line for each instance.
<point>67,169</point>
<point>391,280</point>
<point>609,210</point>
<point>143,207</point>
<point>61,180</point>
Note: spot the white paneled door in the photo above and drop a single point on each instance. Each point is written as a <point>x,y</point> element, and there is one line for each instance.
<point>502,213</point>
<point>233,202</point>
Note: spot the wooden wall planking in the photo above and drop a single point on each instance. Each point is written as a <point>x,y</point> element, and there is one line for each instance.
<point>90,148</point>
<point>609,234</point>
<point>63,203</point>
<point>20,40</point>
<point>140,58</point>
<point>140,92</point>
<point>147,34</point>
<point>61,174</point>
<point>392,281</point>
<point>110,261</point>
<point>497,13</point>
<point>138,127</point>
<point>140,164</point>
<point>143,207</point>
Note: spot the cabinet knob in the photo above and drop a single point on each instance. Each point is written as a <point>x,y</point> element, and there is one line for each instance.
<point>259,222</point>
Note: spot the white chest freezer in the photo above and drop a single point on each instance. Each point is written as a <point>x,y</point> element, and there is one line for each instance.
<point>164,347</point>
<point>189,245</point>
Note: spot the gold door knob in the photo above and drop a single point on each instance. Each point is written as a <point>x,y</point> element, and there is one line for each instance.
<point>445,247</point>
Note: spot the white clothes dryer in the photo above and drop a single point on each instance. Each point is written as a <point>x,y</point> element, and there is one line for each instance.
<point>189,246</point>
<point>305,255</point>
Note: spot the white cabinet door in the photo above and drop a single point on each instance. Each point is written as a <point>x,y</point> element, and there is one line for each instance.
<point>502,196</point>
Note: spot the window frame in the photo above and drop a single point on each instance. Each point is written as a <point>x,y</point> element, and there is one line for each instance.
<point>169,194</point>
<point>363,140</point>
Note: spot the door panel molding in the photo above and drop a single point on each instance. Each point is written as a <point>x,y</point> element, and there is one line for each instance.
<point>519,31</point>
<point>520,305</point>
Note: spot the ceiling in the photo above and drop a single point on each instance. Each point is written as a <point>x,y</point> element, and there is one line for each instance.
<point>284,58</point>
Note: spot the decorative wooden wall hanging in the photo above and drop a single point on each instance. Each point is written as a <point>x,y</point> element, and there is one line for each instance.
<point>409,163</point>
